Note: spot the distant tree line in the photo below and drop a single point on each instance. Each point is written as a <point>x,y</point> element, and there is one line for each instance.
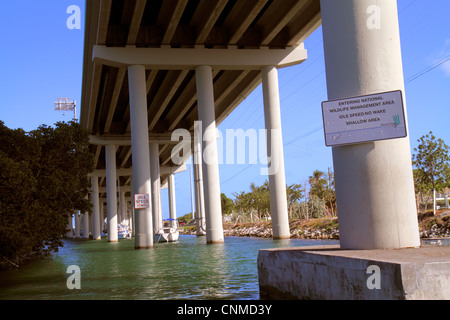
<point>314,198</point>
<point>43,180</point>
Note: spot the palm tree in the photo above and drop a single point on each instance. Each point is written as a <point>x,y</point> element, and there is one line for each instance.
<point>294,194</point>
<point>317,182</point>
<point>322,187</point>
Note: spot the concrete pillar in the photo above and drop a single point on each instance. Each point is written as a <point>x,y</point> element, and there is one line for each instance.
<point>85,221</point>
<point>102,216</point>
<point>276,173</point>
<point>128,214</point>
<point>90,223</point>
<point>172,202</point>
<point>374,181</point>
<point>77,225</point>
<point>210,166</point>
<point>69,233</point>
<point>198,188</point>
<point>191,182</point>
<point>111,193</point>
<point>95,209</point>
<point>140,154</point>
<point>123,207</point>
<point>119,205</point>
<point>132,207</point>
<point>155,186</point>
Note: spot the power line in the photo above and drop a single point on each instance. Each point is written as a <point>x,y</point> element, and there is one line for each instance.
<point>434,66</point>
<point>285,144</point>
<point>304,135</point>
<point>235,175</point>
<point>409,5</point>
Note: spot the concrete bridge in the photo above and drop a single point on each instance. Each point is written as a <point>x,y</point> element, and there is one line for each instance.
<point>154,67</point>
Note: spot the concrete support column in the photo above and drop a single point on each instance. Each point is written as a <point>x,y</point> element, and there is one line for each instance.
<point>172,202</point>
<point>77,225</point>
<point>123,207</point>
<point>95,209</point>
<point>155,186</point>
<point>191,182</point>
<point>132,207</point>
<point>102,216</point>
<point>111,192</point>
<point>140,153</point>
<point>69,233</point>
<point>199,201</point>
<point>90,223</point>
<point>119,204</point>
<point>85,221</point>
<point>128,215</point>
<point>210,166</point>
<point>276,173</point>
<point>374,181</point>
<point>198,189</point>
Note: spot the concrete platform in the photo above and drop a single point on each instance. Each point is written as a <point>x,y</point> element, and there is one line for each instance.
<point>329,273</point>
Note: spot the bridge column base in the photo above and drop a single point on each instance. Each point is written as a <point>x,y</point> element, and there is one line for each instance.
<point>330,273</point>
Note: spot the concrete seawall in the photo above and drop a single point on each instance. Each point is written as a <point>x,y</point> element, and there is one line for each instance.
<point>329,273</point>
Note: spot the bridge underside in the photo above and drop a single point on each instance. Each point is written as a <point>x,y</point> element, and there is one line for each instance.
<point>154,66</point>
<point>171,93</point>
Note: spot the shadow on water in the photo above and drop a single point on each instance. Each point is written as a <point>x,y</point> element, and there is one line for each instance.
<point>187,269</point>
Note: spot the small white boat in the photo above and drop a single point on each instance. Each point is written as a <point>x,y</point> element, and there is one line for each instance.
<point>123,231</point>
<point>168,233</point>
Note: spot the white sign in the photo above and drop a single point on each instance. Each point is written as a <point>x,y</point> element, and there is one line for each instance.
<point>363,119</point>
<point>141,201</point>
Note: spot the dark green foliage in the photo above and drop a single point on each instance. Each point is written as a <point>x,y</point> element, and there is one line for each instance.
<point>43,180</point>
<point>432,169</point>
<point>432,162</point>
<point>227,204</point>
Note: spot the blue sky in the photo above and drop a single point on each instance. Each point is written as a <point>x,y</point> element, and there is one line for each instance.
<point>41,60</point>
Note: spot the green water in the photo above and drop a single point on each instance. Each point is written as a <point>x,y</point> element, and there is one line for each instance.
<point>187,269</point>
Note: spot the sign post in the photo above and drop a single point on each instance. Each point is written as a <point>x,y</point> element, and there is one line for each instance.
<point>64,104</point>
<point>364,119</point>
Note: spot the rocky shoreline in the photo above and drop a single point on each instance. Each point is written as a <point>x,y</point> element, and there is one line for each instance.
<point>265,231</point>
<point>430,227</point>
<point>311,229</point>
<point>434,226</point>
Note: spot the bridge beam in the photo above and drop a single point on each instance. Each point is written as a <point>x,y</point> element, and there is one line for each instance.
<point>223,59</point>
<point>123,172</point>
<point>125,140</point>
